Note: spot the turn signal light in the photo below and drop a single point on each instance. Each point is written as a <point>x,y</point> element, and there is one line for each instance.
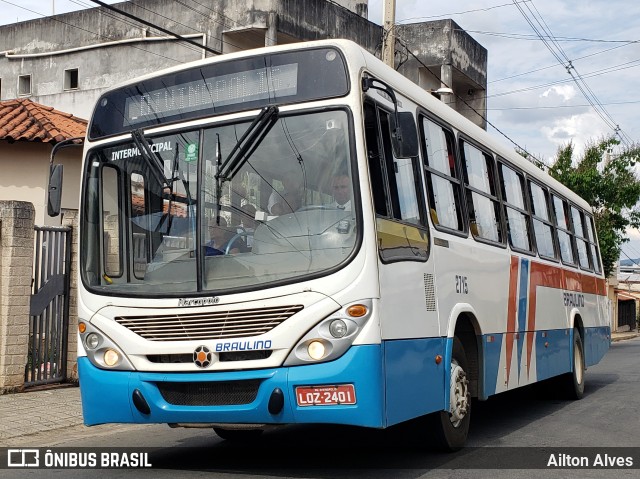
<point>357,310</point>
<point>82,327</point>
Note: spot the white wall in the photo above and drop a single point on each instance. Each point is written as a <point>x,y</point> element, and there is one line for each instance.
<point>24,173</point>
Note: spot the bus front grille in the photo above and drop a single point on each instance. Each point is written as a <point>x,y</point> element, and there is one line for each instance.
<point>224,393</point>
<point>210,325</point>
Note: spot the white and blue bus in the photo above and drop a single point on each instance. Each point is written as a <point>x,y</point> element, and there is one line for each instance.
<point>299,234</point>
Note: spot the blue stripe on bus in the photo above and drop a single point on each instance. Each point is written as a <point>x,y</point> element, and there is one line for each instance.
<point>492,347</point>
<point>415,383</point>
<point>553,353</point>
<point>522,307</point>
<point>596,343</point>
<point>106,395</point>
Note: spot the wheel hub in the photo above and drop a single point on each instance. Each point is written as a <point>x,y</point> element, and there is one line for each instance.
<point>459,395</point>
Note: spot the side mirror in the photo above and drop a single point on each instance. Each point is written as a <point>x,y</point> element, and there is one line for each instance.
<point>404,135</point>
<point>54,196</point>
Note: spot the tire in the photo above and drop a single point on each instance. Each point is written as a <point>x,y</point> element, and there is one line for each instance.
<point>449,429</point>
<point>238,434</point>
<point>572,384</point>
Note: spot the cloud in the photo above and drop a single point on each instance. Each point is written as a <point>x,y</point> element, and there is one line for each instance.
<point>579,129</point>
<point>566,92</point>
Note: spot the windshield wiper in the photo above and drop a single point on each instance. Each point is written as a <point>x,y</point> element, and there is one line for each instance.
<point>153,159</point>
<point>247,144</point>
<point>243,149</point>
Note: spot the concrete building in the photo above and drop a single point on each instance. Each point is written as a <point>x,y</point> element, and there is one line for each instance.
<point>28,131</point>
<point>66,61</point>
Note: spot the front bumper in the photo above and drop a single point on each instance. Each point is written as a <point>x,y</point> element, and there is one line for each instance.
<point>107,395</point>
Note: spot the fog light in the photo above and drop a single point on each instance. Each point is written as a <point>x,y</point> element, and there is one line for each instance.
<point>316,350</point>
<point>338,328</point>
<point>111,357</point>
<point>92,340</point>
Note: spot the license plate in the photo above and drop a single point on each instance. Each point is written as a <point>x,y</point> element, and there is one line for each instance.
<point>326,395</point>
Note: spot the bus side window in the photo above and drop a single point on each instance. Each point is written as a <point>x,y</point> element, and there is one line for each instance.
<point>565,237</point>
<point>442,183</point>
<point>581,238</point>
<point>515,208</point>
<point>397,190</point>
<point>375,159</point>
<point>543,227</point>
<point>482,195</point>
<point>593,244</point>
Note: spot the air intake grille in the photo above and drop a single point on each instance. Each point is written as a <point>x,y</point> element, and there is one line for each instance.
<point>429,292</point>
<point>225,393</point>
<point>209,325</point>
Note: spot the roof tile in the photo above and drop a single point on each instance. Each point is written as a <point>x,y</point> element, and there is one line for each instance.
<point>23,119</point>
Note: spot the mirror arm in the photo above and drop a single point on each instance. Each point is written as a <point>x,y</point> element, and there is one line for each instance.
<point>368,83</point>
<point>77,141</point>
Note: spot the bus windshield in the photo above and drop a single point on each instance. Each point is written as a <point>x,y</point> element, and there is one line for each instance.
<point>164,218</point>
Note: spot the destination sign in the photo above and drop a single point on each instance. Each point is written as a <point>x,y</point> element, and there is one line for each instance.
<point>215,87</point>
<point>213,92</point>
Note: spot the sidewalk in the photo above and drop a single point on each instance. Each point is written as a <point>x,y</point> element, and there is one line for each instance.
<point>24,414</point>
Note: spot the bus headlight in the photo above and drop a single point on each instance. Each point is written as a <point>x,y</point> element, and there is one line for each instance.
<point>101,350</point>
<point>316,350</point>
<point>331,337</point>
<point>111,357</point>
<point>92,341</point>
<point>338,328</point>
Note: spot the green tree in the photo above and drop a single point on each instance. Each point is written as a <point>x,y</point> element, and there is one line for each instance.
<point>604,176</point>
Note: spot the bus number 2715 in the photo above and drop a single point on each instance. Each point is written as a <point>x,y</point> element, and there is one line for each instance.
<point>461,284</point>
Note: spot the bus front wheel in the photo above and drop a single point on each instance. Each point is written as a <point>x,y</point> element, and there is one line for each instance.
<point>450,428</point>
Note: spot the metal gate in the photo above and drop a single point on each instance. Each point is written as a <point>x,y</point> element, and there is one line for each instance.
<point>49,310</point>
<point>627,314</point>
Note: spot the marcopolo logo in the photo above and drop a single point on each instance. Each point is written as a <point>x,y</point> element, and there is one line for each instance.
<point>23,458</point>
<point>198,301</point>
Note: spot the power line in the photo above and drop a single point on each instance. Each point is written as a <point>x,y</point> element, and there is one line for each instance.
<point>557,51</point>
<point>152,25</point>
<point>447,15</point>
<point>98,35</point>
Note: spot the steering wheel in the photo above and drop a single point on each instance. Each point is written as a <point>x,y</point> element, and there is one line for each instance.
<point>234,238</point>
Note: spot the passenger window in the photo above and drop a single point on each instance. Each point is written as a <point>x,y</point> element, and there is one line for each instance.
<point>442,183</point>
<point>518,229</point>
<point>483,204</point>
<point>581,241</point>
<point>593,244</point>
<point>543,228</point>
<point>565,237</point>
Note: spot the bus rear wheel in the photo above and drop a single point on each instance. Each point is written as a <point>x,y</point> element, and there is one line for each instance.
<point>450,428</point>
<point>572,384</point>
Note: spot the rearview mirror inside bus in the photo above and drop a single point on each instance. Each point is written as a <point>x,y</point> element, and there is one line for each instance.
<point>405,135</point>
<point>54,196</point>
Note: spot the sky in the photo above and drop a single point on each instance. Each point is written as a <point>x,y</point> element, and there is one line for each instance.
<point>531,97</point>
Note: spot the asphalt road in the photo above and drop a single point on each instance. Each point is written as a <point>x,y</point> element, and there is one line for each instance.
<point>508,433</point>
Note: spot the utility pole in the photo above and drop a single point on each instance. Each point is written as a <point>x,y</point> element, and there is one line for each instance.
<point>389,35</point>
